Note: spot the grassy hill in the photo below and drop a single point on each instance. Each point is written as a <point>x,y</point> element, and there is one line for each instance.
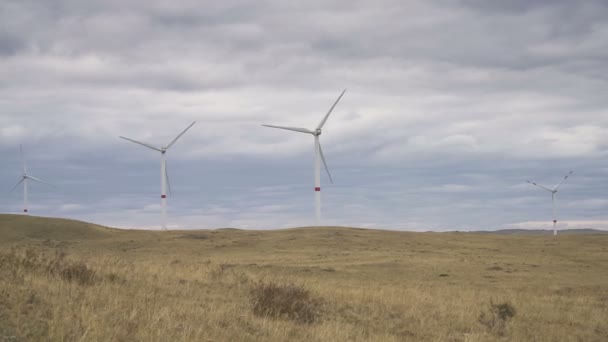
<point>69,280</point>
<point>22,227</point>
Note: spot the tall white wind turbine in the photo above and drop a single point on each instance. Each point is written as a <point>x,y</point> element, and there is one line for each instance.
<point>25,178</point>
<point>553,192</point>
<point>318,155</point>
<point>164,176</point>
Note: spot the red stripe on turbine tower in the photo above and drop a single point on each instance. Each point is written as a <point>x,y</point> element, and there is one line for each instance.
<point>317,189</point>
<point>163,196</point>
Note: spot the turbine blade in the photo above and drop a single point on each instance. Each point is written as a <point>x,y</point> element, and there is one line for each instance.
<point>179,136</point>
<point>22,159</point>
<point>330,110</point>
<point>540,186</point>
<point>16,185</point>
<point>167,179</point>
<point>563,180</point>
<point>295,129</point>
<point>325,163</point>
<point>141,143</point>
<point>39,180</point>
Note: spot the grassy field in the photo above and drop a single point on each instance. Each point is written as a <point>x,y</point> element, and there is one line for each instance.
<point>65,280</point>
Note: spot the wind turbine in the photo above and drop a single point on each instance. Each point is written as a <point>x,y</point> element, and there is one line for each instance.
<point>318,155</point>
<point>25,178</point>
<point>164,176</point>
<point>553,192</point>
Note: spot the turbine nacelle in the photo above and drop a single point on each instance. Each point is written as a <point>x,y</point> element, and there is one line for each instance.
<point>317,132</point>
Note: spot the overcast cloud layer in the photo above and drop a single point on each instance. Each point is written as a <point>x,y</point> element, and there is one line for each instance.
<point>451,106</point>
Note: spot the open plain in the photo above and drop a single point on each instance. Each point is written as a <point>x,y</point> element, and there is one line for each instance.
<point>63,280</point>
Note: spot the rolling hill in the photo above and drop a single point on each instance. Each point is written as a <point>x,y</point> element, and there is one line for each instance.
<point>22,227</point>
<point>68,280</point>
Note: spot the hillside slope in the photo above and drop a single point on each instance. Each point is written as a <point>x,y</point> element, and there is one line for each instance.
<point>15,228</point>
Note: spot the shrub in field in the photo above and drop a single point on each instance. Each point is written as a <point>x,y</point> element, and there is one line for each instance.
<point>115,278</point>
<point>286,301</point>
<point>496,317</point>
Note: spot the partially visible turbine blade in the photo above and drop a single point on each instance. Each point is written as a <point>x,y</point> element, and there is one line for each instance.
<point>540,186</point>
<point>22,159</point>
<point>39,180</point>
<point>167,179</point>
<point>179,136</point>
<point>325,163</point>
<point>295,129</point>
<point>141,143</point>
<point>563,180</point>
<point>330,110</point>
<point>16,185</point>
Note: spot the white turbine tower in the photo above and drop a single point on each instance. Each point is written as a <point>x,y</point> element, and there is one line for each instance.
<point>318,155</point>
<point>164,176</point>
<point>553,192</point>
<point>25,178</point>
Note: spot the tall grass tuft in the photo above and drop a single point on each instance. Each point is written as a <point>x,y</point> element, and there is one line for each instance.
<point>18,262</point>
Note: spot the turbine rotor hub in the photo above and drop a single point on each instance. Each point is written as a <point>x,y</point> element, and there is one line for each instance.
<point>317,132</point>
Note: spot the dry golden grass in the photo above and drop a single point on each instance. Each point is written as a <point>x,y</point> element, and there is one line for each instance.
<point>364,285</point>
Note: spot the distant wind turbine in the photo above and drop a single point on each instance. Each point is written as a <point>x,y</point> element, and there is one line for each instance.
<point>25,178</point>
<point>318,155</point>
<point>164,175</point>
<point>553,192</point>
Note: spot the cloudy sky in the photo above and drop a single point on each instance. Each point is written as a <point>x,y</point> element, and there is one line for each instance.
<point>451,106</point>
